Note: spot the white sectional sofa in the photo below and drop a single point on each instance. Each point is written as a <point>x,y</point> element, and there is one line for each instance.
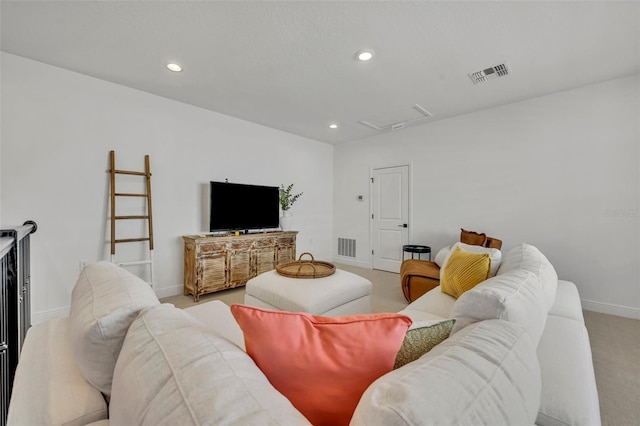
<point>519,354</point>
<point>553,318</point>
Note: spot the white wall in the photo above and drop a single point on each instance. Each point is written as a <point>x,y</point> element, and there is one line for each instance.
<point>1,137</point>
<point>560,172</point>
<point>57,130</point>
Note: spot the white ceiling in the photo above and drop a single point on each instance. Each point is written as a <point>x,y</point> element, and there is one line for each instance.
<point>290,64</point>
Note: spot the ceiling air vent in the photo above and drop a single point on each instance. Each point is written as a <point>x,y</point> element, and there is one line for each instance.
<point>397,120</point>
<point>489,73</point>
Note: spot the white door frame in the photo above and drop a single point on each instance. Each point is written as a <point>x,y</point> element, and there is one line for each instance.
<point>409,166</point>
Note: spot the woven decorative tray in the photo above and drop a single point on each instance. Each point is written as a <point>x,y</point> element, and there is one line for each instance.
<point>306,268</point>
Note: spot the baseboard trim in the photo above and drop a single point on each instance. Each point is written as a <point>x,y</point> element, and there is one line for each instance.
<point>351,262</point>
<point>43,316</point>
<point>39,317</point>
<point>169,291</point>
<point>611,309</point>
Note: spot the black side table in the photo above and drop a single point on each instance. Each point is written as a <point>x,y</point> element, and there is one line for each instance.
<point>412,248</point>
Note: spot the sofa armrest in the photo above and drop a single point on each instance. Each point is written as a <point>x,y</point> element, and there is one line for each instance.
<point>49,389</point>
<point>569,392</point>
<point>567,302</point>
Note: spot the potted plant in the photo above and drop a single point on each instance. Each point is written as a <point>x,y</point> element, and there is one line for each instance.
<point>287,200</point>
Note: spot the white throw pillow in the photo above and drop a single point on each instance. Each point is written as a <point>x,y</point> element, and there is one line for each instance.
<point>174,370</point>
<point>496,256</point>
<point>442,255</point>
<point>528,257</point>
<point>487,374</point>
<point>516,296</point>
<point>104,302</point>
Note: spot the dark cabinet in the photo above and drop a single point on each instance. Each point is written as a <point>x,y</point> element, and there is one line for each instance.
<point>15,305</point>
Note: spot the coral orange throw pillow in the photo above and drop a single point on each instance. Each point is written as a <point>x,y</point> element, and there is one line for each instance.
<point>322,365</point>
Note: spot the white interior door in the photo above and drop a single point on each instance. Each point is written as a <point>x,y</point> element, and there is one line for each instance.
<point>390,216</point>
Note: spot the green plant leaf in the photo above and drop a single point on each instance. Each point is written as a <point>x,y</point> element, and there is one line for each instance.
<point>286,198</point>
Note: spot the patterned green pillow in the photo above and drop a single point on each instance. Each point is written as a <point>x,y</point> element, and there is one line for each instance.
<point>418,341</point>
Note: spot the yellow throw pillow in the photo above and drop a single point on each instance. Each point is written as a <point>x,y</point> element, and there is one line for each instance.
<point>463,271</point>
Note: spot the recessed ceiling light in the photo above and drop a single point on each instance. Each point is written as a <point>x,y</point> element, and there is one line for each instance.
<point>365,55</point>
<point>174,67</point>
<point>333,126</point>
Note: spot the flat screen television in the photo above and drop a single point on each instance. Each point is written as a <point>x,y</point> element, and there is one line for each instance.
<point>237,207</point>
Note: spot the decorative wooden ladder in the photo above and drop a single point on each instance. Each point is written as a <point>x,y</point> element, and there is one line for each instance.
<point>148,216</point>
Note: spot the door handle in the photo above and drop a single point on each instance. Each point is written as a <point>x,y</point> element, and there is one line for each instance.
<point>404,225</point>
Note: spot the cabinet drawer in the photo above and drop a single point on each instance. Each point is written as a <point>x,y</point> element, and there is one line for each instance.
<point>285,241</point>
<point>240,245</point>
<point>207,248</point>
<point>264,242</point>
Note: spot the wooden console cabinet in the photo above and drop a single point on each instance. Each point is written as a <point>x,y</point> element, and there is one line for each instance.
<point>213,263</point>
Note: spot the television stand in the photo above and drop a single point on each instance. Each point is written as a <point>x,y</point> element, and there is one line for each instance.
<point>219,262</point>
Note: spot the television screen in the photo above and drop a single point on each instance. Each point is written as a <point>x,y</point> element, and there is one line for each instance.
<point>235,207</point>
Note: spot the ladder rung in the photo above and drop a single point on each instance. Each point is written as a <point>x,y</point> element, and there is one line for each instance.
<point>136,262</point>
<point>121,194</point>
<point>131,240</point>
<point>131,217</point>
<point>127,172</point>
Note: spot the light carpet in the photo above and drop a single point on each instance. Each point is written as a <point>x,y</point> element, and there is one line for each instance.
<point>615,344</point>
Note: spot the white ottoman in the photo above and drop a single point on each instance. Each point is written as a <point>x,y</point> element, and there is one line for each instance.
<point>342,293</point>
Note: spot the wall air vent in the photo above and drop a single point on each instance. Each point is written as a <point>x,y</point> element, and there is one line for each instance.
<point>346,247</point>
<point>489,73</point>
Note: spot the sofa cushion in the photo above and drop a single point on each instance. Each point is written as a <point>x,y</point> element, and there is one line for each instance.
<point>441,255</point>
<point>322,364</point>
<point>487,373</point>
<point>173,370</point>
<point>49,389</point>
<point>516,296</point>
<point>217,314</point>
<point>420,339</point>
<point>434,302</point>
<point>528,257</point>
<point>463,270</point>
<point>104,302</point>
<point>422,316</point>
